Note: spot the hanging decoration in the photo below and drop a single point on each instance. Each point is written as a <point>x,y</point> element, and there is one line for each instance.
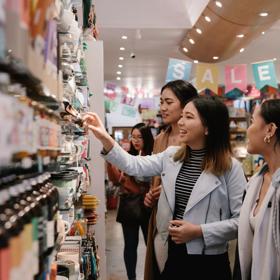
<point>264,74</point>
<point>178,69</point>
<point>235,77</point>
<point>207,77</point>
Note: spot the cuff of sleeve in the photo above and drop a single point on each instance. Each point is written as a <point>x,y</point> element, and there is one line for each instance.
<point>104,152</point>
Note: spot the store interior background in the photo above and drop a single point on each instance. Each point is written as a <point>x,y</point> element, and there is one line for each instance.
<point>156,31</point>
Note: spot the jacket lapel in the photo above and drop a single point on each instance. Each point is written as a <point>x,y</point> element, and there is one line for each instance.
<point>170,177</point>
<point>245,234</point>
<point>205,184</point>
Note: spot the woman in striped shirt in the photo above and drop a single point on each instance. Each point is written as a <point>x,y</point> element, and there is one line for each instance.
<point>202,188</point>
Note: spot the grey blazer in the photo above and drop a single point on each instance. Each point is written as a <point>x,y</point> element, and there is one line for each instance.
<point>214,202</point>
<point>259,251</point>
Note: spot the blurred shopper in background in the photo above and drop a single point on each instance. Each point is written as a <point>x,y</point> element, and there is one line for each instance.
<point>131,213</point>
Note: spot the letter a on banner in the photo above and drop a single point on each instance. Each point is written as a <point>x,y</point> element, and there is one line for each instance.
<point>207,77</point>
<point>264,74</point>
<point>178,70</point>
<point>236,77</point>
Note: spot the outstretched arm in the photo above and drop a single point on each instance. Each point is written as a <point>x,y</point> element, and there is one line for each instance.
<point>93,122</point>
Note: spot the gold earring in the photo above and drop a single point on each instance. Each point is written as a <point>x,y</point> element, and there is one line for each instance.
<point>266,139</point>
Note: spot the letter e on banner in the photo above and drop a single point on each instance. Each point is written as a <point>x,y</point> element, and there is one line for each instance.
<point>264,74</point>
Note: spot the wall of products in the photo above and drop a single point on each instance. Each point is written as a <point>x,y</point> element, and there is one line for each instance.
<point>47,215</point>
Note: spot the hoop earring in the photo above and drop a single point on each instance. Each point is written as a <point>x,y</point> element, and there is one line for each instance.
<point>266,139</point>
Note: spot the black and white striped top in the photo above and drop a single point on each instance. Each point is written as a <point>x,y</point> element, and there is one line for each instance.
<point>186,179</point>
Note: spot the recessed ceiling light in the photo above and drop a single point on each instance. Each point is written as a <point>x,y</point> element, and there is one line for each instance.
<point>185,49</point>
<point>219,4</point>
<point>122,49</point>
<point>120,66</point>
<point>207,18</point>
<point>191,41</point>
<point>121,58</point>
<point>215,57</point>
<point>263,14</point>
<point>118,78</point>
<point>124,37</point>
<point>263,33</point>
<point>241,50</point>
<point>119,72</point>
<point>240,35</point>
<point>198,31</point>
<point>195,61</point>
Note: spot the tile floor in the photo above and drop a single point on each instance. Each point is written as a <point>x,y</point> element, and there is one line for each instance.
<point>114,250</point>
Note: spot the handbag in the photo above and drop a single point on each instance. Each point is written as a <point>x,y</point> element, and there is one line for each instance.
<point>131,209</point>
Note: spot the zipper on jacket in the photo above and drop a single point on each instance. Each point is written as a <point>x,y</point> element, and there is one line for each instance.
<point>221,211</point>
<point>203,249</point>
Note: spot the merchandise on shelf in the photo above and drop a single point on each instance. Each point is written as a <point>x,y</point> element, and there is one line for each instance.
<point>44,150</point>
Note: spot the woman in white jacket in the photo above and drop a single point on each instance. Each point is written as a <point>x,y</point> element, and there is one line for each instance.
<point>259,225</point>
<point>202,187</point>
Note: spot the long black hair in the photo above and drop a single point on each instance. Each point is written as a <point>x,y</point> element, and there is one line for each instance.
<point>183,90</point>
<point>148,139</point>
<point>270,112</point>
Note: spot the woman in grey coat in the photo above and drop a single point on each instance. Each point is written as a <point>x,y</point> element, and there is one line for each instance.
<point>202,187</point>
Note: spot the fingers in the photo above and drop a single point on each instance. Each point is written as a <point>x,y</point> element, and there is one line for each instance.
<point>156,192</point>
<point>177,240</point>
<point>148,201</point>
<point>92,114</point>
<point>176,223</point>
<point>175,232</point>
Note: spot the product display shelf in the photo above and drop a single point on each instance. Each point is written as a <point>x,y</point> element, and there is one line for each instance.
<point>35,124</point>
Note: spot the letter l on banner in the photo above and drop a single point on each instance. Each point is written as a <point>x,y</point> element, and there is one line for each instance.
<point>236,77</point>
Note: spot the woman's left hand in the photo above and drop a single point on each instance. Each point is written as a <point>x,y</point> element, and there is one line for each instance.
<point>183,231</point>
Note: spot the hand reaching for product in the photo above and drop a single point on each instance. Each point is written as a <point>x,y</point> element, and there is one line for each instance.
<point>94,123</point>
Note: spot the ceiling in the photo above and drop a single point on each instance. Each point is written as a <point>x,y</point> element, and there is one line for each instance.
<point>155,30</point>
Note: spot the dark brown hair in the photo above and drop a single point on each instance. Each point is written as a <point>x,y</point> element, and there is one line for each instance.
<point>214,115</point>
<point>270,112</point>
<point>183,90</point>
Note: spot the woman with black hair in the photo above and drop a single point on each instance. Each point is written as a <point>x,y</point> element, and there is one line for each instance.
<point>259,224</point>
<point>131,213</point>
<point>202,188</point>
<point>174,96</point>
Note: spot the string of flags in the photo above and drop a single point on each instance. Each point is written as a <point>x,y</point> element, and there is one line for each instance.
<point>236,80</point>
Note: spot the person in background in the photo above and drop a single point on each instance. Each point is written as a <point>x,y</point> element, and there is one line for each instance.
<point>202,188</point>
<point>259,224</point>
<point>174,97</point>
<point>131,213</point>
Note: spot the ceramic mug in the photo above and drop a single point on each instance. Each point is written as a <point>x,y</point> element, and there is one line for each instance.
<point>63,227</point>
